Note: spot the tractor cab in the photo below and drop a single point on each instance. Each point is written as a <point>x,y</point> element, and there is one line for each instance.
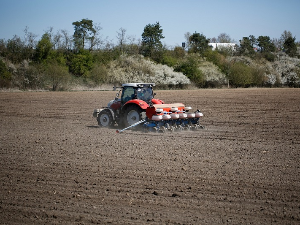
<point>133,93</point>
<point>137,91</point>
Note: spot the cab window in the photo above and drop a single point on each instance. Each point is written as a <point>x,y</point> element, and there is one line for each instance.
<point>145,94</point>
<point>128,94</point>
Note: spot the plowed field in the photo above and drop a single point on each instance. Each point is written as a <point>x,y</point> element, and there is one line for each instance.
<point>58,167</point>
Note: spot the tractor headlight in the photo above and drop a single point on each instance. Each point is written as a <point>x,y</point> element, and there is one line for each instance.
<point>96,112</point>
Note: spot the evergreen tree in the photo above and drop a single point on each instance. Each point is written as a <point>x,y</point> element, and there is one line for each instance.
<point>84,31</point>
<point>151,39</point>
<point>265,44</point>
<point>43,48</point>
<point>198,43</point>
<point>247,45</point>
<point>290,46</point>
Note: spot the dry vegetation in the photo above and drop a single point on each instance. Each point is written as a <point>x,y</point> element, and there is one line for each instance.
<point>130,69</point>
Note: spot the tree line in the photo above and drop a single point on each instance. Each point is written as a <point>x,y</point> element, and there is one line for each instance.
<point>57,58</point>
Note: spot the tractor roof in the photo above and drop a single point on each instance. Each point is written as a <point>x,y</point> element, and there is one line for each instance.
<point>137,84</point>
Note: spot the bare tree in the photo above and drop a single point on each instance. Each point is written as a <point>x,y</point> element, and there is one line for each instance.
<point>49,32</point>
<point>29,43</point>
<point>213,40</point>
<point>187,39</point>
<point>224,38</point>
<point>29,38</point>
<point>121,36</point>
<point>67,40</point>
<point>277,43</point>
<point>133,45</point>
<point>284,36</point>
<point>131,39</point>
<point>57,40</point>
<point>96,41</point>
<point>108,44</point>
<point>60,40</point>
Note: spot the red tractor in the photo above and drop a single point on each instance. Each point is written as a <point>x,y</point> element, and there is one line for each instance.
<point>137,105</point>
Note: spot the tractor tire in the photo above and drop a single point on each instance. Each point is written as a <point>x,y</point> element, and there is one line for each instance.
<point>105,118</point>
<point>133,114</point>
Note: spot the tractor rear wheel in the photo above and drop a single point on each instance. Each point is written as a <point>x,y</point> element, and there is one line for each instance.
<point>132,115</point>
<point>105,118</point>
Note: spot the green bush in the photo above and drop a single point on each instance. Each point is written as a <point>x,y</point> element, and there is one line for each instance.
<point>240,75</point>
<point>171,57</point>
<point>43,48</point>
<point>57,75</point>
<point>179,52</point>
<point>218,59</point>
<point>106,56</point>
<point>189,67</point>
<point>212,56</point>
<point>258,77</point>
<point>80,63</point>
<point>98,75</point>
<point>14,50</point>
<point>29,77</point>
<point>5,76</point>
<point>269,56</point>
<point>169,60</point>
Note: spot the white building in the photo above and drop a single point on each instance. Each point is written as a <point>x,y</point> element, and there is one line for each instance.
<point>231,46</point>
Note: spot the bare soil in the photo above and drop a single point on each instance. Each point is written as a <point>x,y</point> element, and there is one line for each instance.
<point>58,167</point>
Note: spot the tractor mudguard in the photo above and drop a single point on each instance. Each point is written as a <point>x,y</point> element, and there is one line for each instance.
<point>157,101</point>
<point>142,104</point>
<point>111,112</point>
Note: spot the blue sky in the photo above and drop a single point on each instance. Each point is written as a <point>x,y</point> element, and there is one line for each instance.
<point>237,18</point>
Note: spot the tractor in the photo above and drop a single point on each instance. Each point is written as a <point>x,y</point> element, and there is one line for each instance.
<point>137,107</point>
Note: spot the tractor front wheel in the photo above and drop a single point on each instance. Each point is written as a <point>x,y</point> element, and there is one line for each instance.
<point>132,115</point>
<point>105,118</point>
